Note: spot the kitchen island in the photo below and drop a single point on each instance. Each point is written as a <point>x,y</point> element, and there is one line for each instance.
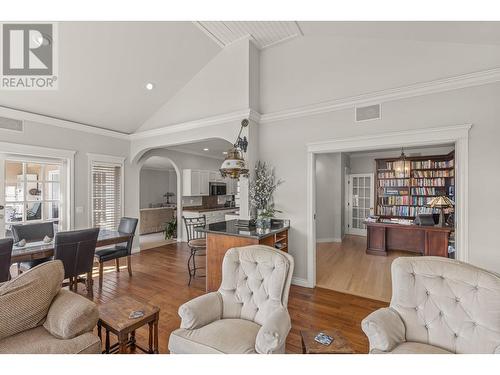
<point>225,235</point>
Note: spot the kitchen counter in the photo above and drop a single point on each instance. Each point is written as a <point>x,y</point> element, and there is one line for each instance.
<point>229,228</point>
<point>224,235</point>
<point>153,220</point>
<point>156,208</point>
<point>204,209</point>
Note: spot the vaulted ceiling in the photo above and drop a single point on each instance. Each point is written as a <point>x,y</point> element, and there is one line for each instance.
<point>104,66</point>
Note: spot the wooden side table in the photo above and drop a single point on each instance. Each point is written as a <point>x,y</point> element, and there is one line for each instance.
<point>114,317</point>
<point>338,346</point>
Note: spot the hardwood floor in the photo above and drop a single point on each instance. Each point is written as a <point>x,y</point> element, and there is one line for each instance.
<point>160,277</point>
<point>346,268</point>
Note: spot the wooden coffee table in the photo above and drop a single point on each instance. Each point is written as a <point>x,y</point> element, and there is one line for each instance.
<point>338,346</point>
<point>114,317</point>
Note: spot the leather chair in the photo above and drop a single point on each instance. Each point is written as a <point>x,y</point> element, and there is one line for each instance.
<point>248,314</point>
<point>5,255</point>
<point>438,305</point>
<point>32,233</point>
<point>38,317</point>
<point>76,251</point>
<point>127,225</point>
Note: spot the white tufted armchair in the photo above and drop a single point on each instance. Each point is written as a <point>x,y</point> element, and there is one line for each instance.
<point>248,314</point>
<point>438,305</point>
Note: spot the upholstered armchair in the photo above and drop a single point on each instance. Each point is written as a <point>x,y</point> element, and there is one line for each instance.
<point>248,314</point>
<point>38,317</point>
<point>438,305</point>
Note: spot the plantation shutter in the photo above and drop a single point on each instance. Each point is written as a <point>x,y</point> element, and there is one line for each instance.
<point>106,195</point>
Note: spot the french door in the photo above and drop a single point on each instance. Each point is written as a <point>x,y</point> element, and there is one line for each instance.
<point>360,202</point>
<point>32,190</point>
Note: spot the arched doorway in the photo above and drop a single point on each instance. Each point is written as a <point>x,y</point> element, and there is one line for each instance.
<point>159,200</point>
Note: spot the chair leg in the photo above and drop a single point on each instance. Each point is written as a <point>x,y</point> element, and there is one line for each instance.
<point>89,283</point>
<point>194,263</point>
<point>101,274</point>
<point>189,268</point>
<point>129,265</point>
<point>117,262</point>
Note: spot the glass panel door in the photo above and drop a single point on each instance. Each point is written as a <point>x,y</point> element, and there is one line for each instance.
<point>360,202</point>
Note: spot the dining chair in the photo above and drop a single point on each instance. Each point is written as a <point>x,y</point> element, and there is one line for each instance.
<point>196,241</point>
<point>5,255</point>
<point>127,225</point>
<point>32,233</point>
<point>76,251</point>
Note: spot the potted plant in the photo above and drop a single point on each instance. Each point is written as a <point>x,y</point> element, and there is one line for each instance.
<point>171,229</point>
<point>262,187</point>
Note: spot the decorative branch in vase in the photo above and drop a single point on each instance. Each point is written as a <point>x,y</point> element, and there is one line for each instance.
<point>262,187</point>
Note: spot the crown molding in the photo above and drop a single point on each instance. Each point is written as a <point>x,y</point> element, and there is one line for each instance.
<point>425,88</point>
<point>195,124</point>
<point>61,123</point>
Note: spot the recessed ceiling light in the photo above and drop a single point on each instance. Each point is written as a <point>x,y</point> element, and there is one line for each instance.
<point>150,86</point>
<point>205,149</point>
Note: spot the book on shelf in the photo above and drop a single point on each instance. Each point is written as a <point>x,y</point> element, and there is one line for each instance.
<point>395,182</point>
<point>432,164</point>
<point>406,194</point>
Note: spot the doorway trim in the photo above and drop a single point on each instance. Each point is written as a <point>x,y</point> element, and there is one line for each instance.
<point>458,134</point>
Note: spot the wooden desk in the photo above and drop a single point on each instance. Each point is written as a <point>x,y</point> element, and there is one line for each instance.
<point>424,240</point>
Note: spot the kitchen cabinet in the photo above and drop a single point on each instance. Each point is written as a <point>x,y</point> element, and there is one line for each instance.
<point>197,182</point>
<point>194,183</point>
<point>204,185</point>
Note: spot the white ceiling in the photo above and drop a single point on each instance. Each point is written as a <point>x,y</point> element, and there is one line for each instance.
<point>425,31</point>
<point>263,33</point>
<point>104,66</point>
<point>216,147</point>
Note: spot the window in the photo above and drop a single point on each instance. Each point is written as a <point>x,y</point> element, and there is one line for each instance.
<point>32,192</point>
<point>106,201</point>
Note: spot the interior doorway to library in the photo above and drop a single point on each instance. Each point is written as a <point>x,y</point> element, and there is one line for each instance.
<point>358,191</point>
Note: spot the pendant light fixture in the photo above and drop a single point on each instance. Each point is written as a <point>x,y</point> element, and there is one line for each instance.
<point>234,165</point>
<point>402,166</point>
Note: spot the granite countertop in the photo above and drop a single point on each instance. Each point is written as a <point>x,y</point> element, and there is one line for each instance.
<point>204,209</point>
<point>230,228</point>
<point>157,208</point>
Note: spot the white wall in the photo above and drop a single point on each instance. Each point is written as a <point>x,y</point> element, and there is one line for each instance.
<point>313,69</point>
<point>40,134</point>
<point>329,198</point>
<point>475,105</point>
<point>154,183</point>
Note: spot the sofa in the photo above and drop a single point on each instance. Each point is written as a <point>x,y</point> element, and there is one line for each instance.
<point>38,317</point>
<point>438,306</point>
<point>248,314</point>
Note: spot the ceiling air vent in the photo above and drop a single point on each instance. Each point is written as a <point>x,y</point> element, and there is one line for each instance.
<point>369,112</point>
<point>11,124</point>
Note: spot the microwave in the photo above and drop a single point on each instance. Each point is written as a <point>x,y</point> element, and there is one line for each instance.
<point>217,188</point>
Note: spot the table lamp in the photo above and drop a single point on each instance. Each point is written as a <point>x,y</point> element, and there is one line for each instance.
<point>440,202</point>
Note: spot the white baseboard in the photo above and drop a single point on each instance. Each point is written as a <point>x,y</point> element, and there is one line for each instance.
<point>300,282</point>
<point>136,249</point>
<point>328,239</point>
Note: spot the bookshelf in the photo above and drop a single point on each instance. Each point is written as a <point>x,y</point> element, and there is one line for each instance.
<point>405,193</point>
